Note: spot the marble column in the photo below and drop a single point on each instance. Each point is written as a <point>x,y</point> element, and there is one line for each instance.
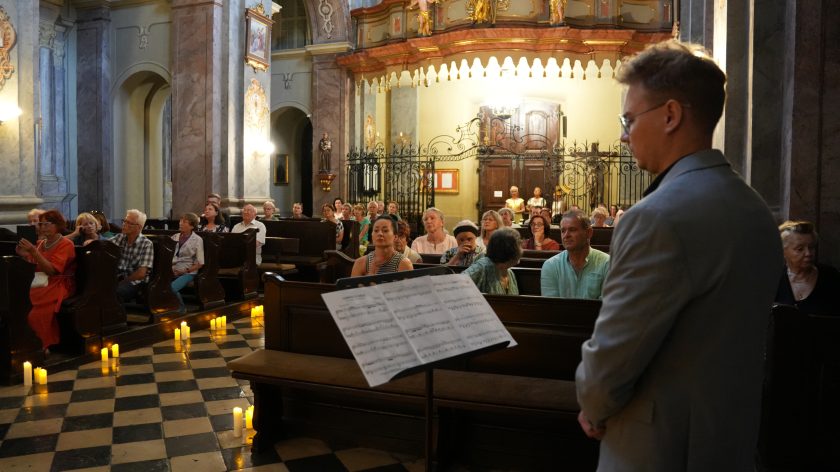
<point>18,165</point>
<point>93,111</point>
<point>197,66</point>
<point>331,89</point>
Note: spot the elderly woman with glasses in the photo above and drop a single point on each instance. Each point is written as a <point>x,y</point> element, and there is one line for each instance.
<point>811,287</point>
<point>54,256</point>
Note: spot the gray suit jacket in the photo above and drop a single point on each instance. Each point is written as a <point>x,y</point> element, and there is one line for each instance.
<point>675,364</point>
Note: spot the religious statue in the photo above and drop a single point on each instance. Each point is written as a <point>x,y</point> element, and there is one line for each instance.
<point>424,20</point>
<point>325,147</point>
<point>483,11</point>
<point>556,11</point>
<point>370,133</point>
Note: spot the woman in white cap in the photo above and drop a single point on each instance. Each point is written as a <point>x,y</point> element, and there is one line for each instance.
<point>468,250</point>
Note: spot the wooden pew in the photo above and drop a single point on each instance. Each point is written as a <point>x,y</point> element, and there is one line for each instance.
<point>94,310</point>
<point>238,264</point>
<point>601,237</point>
<point>314,238</point>
<point>158,294</point>
<point>18,343</point>
<point>304,351</point>
<point>275,250</point>
<point>800,408</point>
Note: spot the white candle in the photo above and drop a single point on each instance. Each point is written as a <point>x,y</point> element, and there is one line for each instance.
<point>187,332</point>
<point>115,351</point>
<point>177,334</point>
<point>37,375</point>
<point>27,373</point>
<point>104,353</point>
<point>43,377</point>
<point>249,417</point>
<point>237,421</point>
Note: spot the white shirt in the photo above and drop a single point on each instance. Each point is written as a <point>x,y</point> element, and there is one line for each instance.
<point>241,227</point>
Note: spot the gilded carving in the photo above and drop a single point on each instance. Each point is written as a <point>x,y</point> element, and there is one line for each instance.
<point>7,42</point>
<point>325,9</point>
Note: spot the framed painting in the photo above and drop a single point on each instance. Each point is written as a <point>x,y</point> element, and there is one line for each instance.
<point>258,38</point>
<point>281,169</point>
<point>447,181</point>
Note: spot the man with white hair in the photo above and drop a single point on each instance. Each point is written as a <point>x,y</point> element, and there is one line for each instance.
<point>136,256</point>
<point>249,221</point>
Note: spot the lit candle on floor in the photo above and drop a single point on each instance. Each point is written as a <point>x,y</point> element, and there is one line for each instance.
<point>261,312</point>
<point>27,373</point>
<point>115,351</point>
<point>213,324</point>
<point>237,421</point>
<point>104,353</point>
<point>187,331</point>
<point>224,322</point>
<point>249,417</point>
<point>254,311</point>
<point>177,334</point>
<point>42,377</point>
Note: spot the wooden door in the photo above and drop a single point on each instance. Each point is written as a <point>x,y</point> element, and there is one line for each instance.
<point>495,181</point>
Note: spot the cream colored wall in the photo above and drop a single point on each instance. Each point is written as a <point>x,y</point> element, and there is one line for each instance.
<point>591,107</point>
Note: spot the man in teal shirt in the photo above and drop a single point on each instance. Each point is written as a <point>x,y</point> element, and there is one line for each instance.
<point>578,271</point>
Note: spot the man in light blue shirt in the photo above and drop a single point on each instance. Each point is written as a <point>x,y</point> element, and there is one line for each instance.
<point>578,271</point>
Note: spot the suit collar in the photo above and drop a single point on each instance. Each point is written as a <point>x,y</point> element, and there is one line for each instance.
<point>697,161</point>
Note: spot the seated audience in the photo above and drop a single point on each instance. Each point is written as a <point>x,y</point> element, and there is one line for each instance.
<point>490,221</point>
<point>558,206</point>
<point>105,226</point>
<point>33,216</point>
<point>214,223</point>
<point>249,221</point>
<point>435,241</point>
<point>297,211</point>
<point>535,211</point>
<point>136,256</point>
<point>328,212</point>
<point>393,210</point>
<point>364,223</point>
<point>578,271</point>
<point>507,218</point>
<point>546,214</point>
<point>54,255</point>
<point>468,250</point>
<point>611,217</point>
<point>811,287</point>
<point>401,242</point>
<point>188,257</point>
<point>338,205</point>
<point>347,212</point>
<point>86,230</point>
<point>217,199</point>
<point>618,214</point>
<point>372,216</point>
<point>539,239</point>
<point>380,207</point>
<point>599,218</point>
<point>269,211</point>
<point>384,258</point>
<point>491,273</point>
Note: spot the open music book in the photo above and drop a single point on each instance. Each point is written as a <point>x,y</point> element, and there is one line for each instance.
<point>397,326</point>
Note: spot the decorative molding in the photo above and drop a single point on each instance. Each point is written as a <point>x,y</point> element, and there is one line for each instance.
<point>256,108</point>
<point>58,49</point>
<point>7,42</point>
<point>287,79</point>
<point>329,48</point>
<point>325,9</point>
<point>46,34</point>
<point>143,36</point>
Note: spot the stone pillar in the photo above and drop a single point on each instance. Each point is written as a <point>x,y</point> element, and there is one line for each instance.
<point>18,165</point>
<point>93,111</point>
<point>810,124</point>
<point>196,102</point>
<point>331,88</point>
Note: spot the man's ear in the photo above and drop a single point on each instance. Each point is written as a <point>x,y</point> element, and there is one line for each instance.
<point>673,115</point>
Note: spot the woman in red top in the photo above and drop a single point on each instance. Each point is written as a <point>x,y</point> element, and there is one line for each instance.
<point>539,236</point>
<point>55,256</point>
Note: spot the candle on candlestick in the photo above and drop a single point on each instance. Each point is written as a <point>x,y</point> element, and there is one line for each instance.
<point>237,421</point>
<point>115,351</point>
<point>42,377</point>
<point>177,334</point>
<point>104,353</point>
<point>249,417</point>
<point>27,373</point>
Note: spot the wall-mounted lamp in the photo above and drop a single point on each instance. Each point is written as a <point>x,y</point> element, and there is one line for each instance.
<point>9,112</point>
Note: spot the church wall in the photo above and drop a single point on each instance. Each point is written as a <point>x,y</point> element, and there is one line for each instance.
<point>18,168</point>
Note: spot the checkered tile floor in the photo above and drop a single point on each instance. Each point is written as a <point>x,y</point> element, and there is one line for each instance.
<point>161,408</point>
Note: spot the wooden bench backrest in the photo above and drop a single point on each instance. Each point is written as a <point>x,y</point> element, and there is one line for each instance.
<point>159,295</point>
<point>95,305</point>
<point>350,242</point>
<point>238,249</point>
<point>601,237</point>
<point>549,330</point>
<point>314,236</point>
<point>18,343</point>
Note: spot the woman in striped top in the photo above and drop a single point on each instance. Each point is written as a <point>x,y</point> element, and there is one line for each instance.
<point>384,257</point>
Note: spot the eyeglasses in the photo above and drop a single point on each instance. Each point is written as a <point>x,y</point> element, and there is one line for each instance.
<point>126,222</point>
<point>627,122</point>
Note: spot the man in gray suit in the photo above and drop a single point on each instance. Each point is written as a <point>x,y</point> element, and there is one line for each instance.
<point>671,378</point>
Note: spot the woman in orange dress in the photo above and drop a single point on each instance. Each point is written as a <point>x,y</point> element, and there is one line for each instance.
<point>55,256</point>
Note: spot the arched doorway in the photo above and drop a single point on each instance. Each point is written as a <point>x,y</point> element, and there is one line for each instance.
<point>291,133</point>
<point>142,145</point>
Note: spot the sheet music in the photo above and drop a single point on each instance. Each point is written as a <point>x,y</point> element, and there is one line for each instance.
<point>395,326</point>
